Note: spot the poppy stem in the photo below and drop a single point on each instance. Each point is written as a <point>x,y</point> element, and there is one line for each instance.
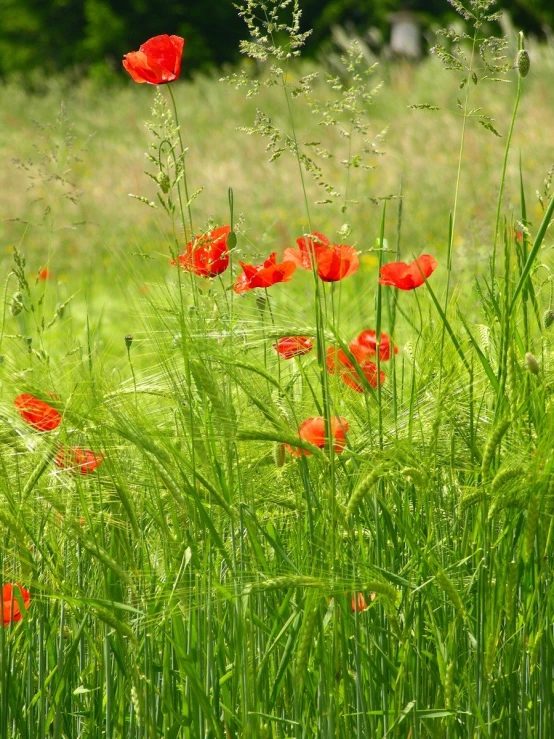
<point>183,164</point>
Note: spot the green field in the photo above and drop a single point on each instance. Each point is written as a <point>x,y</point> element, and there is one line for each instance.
<point>204,581</point>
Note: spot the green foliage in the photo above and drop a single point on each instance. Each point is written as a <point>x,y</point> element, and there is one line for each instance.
<point>198,584</point>
<point>39,38</point>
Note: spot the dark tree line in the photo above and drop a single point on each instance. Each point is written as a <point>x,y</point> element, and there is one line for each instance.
<point>83,36</point>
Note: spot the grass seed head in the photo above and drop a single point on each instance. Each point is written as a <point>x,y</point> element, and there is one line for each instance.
<point>532,364</point>
<point>548,318</point>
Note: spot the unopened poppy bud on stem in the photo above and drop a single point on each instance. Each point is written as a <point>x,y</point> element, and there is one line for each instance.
<point>522,63</point>
<point>128,342</point>
<point>16,304</point>
<point>164,182</point>
<point>532,364</point>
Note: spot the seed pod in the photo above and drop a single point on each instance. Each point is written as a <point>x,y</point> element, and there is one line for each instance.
<point>532,364</point>
<point>128,341</point>
<point>522,63</point>
<point>492,443</point>
<point>530,529</point>
<point>261,303</point>
<point>16,304</point>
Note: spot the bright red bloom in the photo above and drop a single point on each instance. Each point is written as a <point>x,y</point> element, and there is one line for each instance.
<point>293,346</point>
<point>37,413</point>
<point>157,61</point>
<point>207,255</point>
<point>312,430</point>
<point>339,363</point>
<point>12,610</point>
<point>44,273</point>
<point>264,275</point>
<point>408,276</point>
<point>368,341</point>
<point>333,261</point>
<point>306,247</point>
<point>77,459</point>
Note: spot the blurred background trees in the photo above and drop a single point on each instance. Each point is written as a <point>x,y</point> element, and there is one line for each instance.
<point>79,37</point>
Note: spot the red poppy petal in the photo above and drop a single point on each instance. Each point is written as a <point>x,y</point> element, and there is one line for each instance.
<point>336,262</point>
<point>37,413</point>
<point>166,51</point>
<point>143,69</point>
<point>299,257</point>
<point>11,608</point>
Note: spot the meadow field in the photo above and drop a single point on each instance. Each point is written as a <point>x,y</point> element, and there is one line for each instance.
<point>228,508</point>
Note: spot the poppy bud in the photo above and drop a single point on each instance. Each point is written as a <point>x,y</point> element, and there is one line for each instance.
<point>532,364</point>
<point>16,304</point>
<point>128,341</point>
<point>163,181</point>
<point>522,63</point>
<point>261,302</point>
<point>548,318</point>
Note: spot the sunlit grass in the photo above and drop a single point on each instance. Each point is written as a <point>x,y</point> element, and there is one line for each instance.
<point>201,582</point>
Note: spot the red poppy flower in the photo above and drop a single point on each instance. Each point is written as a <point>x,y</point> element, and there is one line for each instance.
<point>78,459</point>
<point>306,247</point>
<point>369,371</point>
<point>44,273</point>
<point>339,363</point>
<point>12,610</point>
<point>368,341</point>
<point>293,346</point>
<point>157,61</point>
<point>264,275</point>
<point>313,431</point>
<point>37,413</point>
<point>207,255</point>
<point>408,276</point>
<point>333,261</point>
<point>358,602</point>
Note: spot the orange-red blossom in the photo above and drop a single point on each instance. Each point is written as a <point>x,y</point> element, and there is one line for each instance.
<point>312,430</point>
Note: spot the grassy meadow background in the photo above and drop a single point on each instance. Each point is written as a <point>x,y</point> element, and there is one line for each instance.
<point>199,584</point>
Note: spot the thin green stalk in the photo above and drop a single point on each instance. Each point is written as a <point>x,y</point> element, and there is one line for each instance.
<point>185,183</point>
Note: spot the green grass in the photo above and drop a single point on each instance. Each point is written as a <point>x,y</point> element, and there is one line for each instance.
<point>199,584</point>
